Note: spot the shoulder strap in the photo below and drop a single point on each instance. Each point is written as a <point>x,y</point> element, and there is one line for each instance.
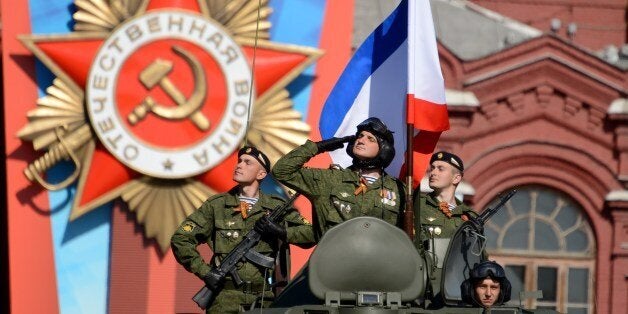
<point>402,201</point>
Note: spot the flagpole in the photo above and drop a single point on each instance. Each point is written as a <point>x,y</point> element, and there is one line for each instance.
<point>408,215</point>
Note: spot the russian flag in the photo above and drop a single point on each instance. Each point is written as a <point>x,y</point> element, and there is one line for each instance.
<point>394,75</point>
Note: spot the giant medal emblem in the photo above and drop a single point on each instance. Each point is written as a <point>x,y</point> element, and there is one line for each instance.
<point>152,99</point>
<point>138,104</point>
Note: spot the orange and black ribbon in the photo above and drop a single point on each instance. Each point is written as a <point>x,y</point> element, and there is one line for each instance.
<point>244,209</point>
<point>362,188</point>
<point>444,207</point>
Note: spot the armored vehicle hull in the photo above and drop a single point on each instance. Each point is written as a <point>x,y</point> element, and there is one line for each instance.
<point>366,265</point>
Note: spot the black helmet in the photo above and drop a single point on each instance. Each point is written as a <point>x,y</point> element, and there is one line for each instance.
<point>480,272</point>
<point>385,141</point>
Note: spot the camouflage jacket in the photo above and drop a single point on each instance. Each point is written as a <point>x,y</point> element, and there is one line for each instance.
<point>436,228</point>
<point>331,191</point>
<point>433,218</point>
<point>219,223</point>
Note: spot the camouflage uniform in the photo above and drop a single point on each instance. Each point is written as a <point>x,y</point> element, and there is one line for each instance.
<point>219,223</point>
<point>437,231</point>
<point>331,191</point>
<point>432,216</point>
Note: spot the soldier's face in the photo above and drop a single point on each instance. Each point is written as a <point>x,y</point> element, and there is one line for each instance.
<point>248,169</point>
<point>442,175</point>
<point>365,146</point>
<point>487,291</point>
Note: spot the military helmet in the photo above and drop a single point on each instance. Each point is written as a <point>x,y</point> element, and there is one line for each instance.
<point>385,141</point>
<point>486,269</point>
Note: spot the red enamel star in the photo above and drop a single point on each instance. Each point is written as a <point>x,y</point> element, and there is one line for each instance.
<point>104,177</point>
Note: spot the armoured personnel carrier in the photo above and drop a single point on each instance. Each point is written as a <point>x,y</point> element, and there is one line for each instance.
<point>366,265</point>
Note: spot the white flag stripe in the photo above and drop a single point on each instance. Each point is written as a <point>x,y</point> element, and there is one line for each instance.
<point>425,79</point>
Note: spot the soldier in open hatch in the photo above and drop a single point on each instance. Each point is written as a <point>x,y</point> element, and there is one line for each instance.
<point>363,189</point>
<point>441,213</point>
<point>487,285</point>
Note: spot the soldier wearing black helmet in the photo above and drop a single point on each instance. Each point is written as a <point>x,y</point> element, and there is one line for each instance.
<point>363,189</point>
<point>486,286</point>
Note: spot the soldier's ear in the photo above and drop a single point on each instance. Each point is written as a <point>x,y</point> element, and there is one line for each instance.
<point>457,177</point>
<point>261,174</point>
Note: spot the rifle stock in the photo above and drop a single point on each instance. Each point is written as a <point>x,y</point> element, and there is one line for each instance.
<point>205,296</point>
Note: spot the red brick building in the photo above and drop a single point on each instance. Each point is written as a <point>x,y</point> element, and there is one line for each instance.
<point>538,99</point>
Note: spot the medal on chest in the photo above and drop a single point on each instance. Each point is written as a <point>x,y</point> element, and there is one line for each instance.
<point>388,197</point>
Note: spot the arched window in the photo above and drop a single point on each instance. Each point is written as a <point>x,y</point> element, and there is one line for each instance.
<point>544,240</point>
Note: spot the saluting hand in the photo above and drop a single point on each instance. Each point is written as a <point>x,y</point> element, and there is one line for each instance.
<point>333,143</point>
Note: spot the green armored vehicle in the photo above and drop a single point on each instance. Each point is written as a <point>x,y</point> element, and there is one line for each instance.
<point>366,265</point>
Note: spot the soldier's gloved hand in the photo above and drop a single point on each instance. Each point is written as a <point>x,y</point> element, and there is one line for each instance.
<point>269,228</point>
<point>214,281</point>
<point>333,143</point>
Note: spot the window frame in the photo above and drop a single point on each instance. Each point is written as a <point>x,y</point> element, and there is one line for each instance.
<point>562,259</point>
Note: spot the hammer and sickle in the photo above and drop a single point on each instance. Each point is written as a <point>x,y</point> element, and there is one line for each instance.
<point>156,74</point>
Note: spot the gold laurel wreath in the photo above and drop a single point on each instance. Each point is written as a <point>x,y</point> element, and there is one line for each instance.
<point>161,205</point>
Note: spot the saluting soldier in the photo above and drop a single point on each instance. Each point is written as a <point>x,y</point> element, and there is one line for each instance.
<point>441,213</point>
<point>224,219</point>
<point>337,194</point>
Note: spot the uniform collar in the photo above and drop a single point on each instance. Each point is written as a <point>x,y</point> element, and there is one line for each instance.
<point>350,176</point>
<point>431,199</point>
<point>354,176</point>
<point>234,201</point>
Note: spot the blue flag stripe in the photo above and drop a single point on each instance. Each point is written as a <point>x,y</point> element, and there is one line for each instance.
<point>378,47</point>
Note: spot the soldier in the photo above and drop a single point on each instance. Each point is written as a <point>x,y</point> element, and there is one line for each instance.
<point>363,189</point>
<point>225,218</point>
<point>487,285</point>
<point>441,213</point>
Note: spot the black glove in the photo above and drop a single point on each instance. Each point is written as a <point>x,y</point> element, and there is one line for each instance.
<point>214,281</point>
<point>269,228</point>
<point>333,143</point>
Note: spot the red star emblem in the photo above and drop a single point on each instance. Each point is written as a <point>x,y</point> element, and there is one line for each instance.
<point>104,176</point>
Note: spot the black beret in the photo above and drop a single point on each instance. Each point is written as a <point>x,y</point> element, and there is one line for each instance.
<point>448,158</point>
<point>257,154</point>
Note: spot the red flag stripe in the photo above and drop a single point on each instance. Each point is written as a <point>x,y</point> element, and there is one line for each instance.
<point>427,115</point>
<point>423,144</point>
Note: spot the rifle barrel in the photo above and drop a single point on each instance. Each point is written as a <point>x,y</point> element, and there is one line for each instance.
<point>489,212</point>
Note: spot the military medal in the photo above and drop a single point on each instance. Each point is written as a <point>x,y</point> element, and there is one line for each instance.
<point>388,197</point>
<point>146,74</point>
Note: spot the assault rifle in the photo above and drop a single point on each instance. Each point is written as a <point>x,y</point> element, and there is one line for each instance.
<point>489,212</point>
<point>243,251</point>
